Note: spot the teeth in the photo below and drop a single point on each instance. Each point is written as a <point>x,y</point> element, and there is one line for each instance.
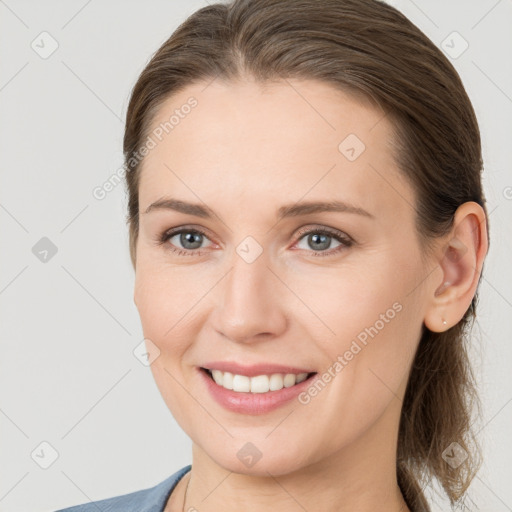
<point>258,384</point>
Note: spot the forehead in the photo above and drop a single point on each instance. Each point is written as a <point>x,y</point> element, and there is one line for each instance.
<point>249,141</point>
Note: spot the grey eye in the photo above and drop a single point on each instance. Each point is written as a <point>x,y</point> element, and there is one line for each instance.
<point>317,241</point>
<point>188,239</point>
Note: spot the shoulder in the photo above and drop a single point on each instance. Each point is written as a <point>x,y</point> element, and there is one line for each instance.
<point>152,499</point>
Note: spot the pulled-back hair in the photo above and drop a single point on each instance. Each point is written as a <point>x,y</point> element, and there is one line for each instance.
<point>370,50</point>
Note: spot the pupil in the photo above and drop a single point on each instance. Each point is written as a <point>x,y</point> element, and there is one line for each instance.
<point>321,241</point>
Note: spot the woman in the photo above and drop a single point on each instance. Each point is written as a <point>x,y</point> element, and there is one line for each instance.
<point>308,231</point>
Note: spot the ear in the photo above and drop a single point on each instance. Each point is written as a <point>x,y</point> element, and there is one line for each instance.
<point>460,260</point>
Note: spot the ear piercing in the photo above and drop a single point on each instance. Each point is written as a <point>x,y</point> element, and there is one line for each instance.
<point>444,321</point>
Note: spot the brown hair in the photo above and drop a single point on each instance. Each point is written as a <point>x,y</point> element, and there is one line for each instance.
<point>369,49</point>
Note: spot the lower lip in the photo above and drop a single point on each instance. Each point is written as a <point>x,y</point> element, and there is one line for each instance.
<point>253,403</point>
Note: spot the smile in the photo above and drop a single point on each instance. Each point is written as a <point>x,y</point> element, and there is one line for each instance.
<point>257,384</point>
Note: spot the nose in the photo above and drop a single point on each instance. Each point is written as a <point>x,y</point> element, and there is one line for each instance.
<point>249,306</point>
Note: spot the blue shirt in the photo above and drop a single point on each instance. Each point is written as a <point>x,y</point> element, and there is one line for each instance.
<point>153,499</point>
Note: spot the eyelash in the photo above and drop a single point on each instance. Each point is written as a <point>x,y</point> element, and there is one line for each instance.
<point>345,240</point>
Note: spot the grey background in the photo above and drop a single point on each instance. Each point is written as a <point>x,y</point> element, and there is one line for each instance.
<point>68,375</point>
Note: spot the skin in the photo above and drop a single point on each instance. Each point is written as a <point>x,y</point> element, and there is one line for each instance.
<point>244,151</point>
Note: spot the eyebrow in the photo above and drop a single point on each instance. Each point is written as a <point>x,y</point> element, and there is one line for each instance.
<point>292,210</point>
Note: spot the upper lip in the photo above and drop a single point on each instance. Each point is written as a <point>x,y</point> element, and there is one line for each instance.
<point>254,369</point>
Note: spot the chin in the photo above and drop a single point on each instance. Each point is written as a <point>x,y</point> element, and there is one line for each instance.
<point>258,459</point>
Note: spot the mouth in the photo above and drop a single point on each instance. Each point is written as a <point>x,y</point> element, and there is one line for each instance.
<point>263,384</point>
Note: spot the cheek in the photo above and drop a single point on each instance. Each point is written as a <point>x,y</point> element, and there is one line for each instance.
<point>351,297</point>
<point>375,320</point>
<point>164,307</point>
<point>165,294</point>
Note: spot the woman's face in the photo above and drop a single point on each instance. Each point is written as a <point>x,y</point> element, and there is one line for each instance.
<point>258,287</point>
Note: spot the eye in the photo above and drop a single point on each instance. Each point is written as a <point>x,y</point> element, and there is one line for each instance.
<point>187,240</point>
<point>320,239</point>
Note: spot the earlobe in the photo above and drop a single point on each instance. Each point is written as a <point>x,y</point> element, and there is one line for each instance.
<point>460,261</point>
